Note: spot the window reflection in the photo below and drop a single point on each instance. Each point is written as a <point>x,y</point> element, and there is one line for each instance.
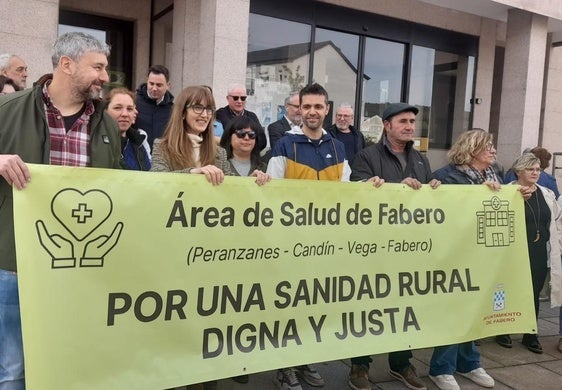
<point>335,67</point>
<point>278,58</point>
<point>441,86</point>
<point>382,83</point>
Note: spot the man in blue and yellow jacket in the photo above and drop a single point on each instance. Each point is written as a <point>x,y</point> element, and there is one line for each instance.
<point>309,152</point>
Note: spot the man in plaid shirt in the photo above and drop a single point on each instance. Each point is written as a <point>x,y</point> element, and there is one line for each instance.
<point>59,121</point>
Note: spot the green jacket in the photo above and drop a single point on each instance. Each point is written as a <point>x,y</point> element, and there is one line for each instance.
<point>24,131</point>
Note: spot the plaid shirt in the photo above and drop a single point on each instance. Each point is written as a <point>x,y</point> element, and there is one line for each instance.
<point>70,148</point>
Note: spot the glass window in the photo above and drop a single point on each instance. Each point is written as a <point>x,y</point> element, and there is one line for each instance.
<point>118,33</point>
<point>382,83</point>
<point>335,67</point>
<point>441,86</point>
<point>278,60</point>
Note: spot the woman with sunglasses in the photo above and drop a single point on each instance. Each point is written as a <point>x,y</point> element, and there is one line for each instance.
<point>240,140</point>
<point>188,143</point>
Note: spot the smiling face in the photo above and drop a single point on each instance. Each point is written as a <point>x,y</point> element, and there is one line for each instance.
<point>122,109</point>
<point>313,110</point>
<point>197,122</point>
<point>88,75</point>
<point>344,119</point>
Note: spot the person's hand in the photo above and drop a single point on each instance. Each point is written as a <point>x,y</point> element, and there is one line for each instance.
<point>377,181</point>
<point>412,183</point>
<point>14,170</point>
<point>96,249</point>
<point>214,175</point>
<point>261,177</point>
<point>527,191</point>
<point>60,248</point>
<point>493,185</point>
<point>434,183</point>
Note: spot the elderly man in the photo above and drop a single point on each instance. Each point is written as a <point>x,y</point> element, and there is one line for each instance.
<point>344,131</point>
<point>154,103</point>
<point>236,98</point>
<point>291,118</point>
<point>14,68</point>
<point>393,159</point>
<point>58,122</point>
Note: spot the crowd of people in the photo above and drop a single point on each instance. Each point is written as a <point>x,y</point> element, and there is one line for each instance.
<point>62,120</point>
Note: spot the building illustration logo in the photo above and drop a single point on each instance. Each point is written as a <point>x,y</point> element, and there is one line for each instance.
<point>82,215</point>
<point>495,224</point>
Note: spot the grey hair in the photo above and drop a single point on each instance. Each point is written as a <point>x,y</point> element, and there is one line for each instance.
<point>288,98</point>
<point>526,160</point>
<point>4,59</point>
<point>232,87</point>
<point>345,105</point>
<point>75,44</point>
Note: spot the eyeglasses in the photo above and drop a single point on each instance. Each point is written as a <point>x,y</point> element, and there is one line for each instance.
<point>489,146</point>
<point>198,109</point>
<point>235,98</point>
<point>242,134</point>
<point>538,170</point>
<point>343,116</point>
<point>294,105</point>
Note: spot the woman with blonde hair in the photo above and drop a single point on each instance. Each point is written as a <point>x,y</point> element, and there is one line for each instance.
<point>135,151</point>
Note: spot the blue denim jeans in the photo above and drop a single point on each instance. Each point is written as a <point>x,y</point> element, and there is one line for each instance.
<point>448,359</point>
<point>11,347</point>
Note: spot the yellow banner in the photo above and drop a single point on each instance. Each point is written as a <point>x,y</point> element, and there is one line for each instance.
<point>155,280</point>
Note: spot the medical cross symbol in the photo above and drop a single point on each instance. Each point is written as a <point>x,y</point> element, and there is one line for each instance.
<point>82,213</point>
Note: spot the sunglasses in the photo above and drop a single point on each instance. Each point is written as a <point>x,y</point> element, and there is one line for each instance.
<point>241,134</point>
<point>235,98</point>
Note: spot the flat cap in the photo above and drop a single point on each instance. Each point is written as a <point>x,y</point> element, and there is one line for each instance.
<point>397,108</point>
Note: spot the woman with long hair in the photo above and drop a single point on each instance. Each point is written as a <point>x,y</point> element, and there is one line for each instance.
<point>188,143</point>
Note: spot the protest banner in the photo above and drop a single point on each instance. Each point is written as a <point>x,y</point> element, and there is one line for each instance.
<point>155,280</point>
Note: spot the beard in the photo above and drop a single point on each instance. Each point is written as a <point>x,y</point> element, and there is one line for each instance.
<point>87,91</point>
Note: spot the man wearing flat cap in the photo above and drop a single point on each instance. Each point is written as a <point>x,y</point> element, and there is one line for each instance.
<point>393,159</point>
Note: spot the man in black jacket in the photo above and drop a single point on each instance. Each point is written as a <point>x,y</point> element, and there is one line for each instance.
<point>154,103</point>
<point>393,159</point>
<point>236,99</point>
<point>291,118</point>
<point>344,131</point>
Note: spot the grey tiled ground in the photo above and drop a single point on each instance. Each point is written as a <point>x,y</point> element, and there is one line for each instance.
<point>515,368</point>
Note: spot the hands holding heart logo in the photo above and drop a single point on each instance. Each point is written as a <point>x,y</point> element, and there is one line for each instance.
<point>80,213</point>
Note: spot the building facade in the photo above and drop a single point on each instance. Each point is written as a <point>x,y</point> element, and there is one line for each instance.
<point>495,65</point>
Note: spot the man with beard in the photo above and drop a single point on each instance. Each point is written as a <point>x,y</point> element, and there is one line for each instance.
<point>308,152</point>
<point>58,122</point>
<point>13,67</point>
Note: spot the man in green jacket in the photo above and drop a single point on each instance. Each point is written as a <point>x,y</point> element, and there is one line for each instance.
<point>58,122</point>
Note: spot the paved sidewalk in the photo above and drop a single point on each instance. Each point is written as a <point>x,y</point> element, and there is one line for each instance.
<point>515,368</point>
